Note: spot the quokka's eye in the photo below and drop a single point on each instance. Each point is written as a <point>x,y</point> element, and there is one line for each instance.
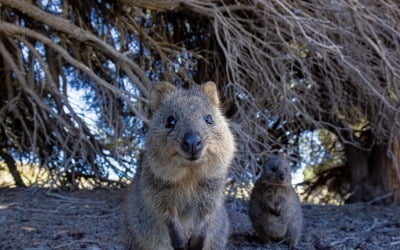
<point>208,118</point>
<point>171,122</point>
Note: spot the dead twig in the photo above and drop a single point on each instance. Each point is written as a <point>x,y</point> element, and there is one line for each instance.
<point>37,210</point>
<point>395,243</point>
<point>374,224</point>
<point>75,242</point>
<point>339,242</point>
<point>72,200</point>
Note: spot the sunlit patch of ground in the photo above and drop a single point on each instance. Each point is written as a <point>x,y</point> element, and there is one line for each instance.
<point>35,176</point>
<point>30,174</point>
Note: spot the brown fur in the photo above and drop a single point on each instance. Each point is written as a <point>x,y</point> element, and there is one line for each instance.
<point>175,203</point>
<point>275,209</point>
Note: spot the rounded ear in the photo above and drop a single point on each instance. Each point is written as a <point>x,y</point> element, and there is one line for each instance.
<point>159,93</point>
<point>210,89</point>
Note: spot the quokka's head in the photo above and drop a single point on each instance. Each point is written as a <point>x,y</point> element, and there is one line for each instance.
<point>188,130</point>
<point>276,170</point>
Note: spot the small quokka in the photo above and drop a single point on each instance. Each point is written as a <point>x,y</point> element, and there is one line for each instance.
<point>176,199</point>
<point>275,209</point>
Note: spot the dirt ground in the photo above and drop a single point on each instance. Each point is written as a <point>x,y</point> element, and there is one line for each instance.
<point>89,219</point>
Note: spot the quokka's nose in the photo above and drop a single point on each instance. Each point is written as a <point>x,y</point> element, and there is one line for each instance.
<point>192,143</point>
<point>281,176</point>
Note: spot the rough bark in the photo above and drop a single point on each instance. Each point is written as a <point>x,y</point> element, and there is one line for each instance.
<point>357,161</point>
<point>374,174</point>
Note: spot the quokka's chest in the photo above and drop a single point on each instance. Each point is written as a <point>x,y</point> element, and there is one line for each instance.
<point>274,194</point>
<point>188,196</point>
<point>184,196</point>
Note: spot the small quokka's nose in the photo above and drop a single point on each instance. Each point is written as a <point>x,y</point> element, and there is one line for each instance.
<point>192,143</point>
<point>281,176</point>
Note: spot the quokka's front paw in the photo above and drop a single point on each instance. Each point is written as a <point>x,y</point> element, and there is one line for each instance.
<point>196,242</point>
<point>178,243</point>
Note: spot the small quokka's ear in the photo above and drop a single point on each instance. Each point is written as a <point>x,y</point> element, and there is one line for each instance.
<point>210,89</point>
<point>159,93</point>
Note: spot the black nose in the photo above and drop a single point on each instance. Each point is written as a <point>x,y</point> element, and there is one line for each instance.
<point>192,143</point>
<point>281,176</point>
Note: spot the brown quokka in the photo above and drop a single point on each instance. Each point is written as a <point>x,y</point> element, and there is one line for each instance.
<point>176,199</point>
<point>275,209</point>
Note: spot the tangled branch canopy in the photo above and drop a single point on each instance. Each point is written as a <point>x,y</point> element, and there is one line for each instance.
<point>283,67</point>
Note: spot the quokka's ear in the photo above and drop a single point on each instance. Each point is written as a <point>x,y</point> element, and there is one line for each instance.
<point>210,89</point>
<point>159,93</point>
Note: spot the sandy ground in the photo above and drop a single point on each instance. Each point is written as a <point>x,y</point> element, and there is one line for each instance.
<point>89,219</point>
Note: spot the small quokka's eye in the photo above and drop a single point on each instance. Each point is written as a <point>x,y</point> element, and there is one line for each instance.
<point>171,122</point>
<point>208,118</point>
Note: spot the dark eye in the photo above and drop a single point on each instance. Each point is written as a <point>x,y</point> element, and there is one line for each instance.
<point>171,122</point>
<point>208,118</point>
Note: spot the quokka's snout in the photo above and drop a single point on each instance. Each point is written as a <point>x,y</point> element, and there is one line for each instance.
<point>192,145</point>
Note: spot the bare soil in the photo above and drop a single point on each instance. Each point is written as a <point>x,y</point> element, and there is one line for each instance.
<point>89,219</point>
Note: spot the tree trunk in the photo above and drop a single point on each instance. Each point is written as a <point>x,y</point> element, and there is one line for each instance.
<point>357,161</point>
<point>374,174</point>
<point>12,167</point>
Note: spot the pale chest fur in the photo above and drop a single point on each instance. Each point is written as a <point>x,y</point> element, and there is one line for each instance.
<point>275,194</point>
<point>183,196</point>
